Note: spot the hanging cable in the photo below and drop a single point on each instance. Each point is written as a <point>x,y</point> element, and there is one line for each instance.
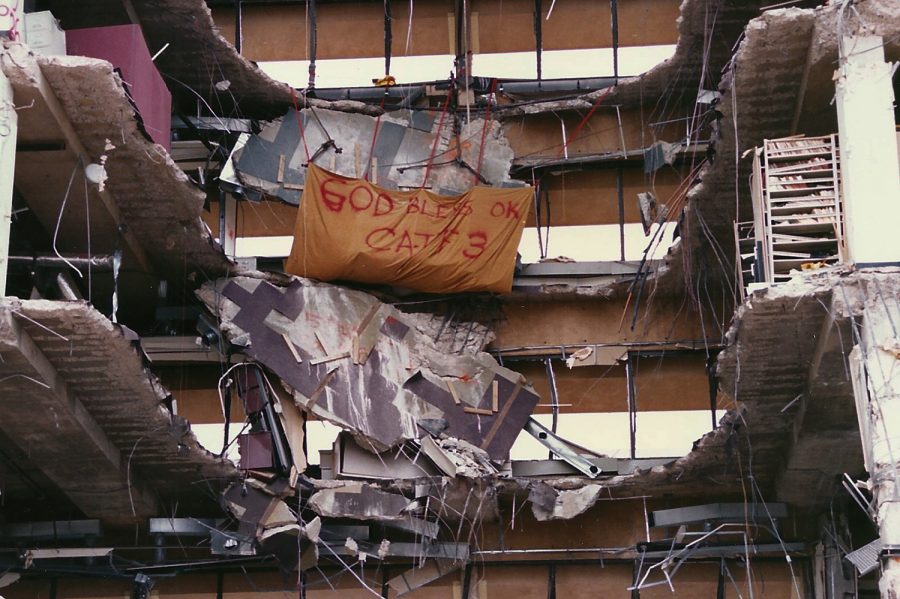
<point>536,184</point>
<point>484,128</point>
<point>388,39</point>
<point>300,122</point>
<point>554,396</point>
<point>375,136</point>
<point>87,213</point>
<point>409,27</point>
<point>584,121</point>
<point>437,134</point>
<point>632,404</point>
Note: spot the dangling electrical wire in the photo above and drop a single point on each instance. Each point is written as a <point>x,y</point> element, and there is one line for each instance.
<point>62,208</point>
<point>409,27</point>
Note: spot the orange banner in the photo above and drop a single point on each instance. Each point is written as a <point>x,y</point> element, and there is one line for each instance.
<point>348,229</point>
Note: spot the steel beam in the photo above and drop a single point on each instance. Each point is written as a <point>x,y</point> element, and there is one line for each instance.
<point>561,448</point>
<point>717,512</point>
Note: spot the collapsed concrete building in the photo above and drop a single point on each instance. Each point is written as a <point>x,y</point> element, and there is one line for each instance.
<point>261,339</point>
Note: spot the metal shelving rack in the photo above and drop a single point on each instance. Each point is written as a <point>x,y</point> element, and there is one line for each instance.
<point>798,221</point>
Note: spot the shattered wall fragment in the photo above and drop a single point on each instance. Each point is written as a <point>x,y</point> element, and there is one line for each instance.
<point>360,501</point>
<point>394,151</point>
<point>548,503</point>
<point>389,391</point>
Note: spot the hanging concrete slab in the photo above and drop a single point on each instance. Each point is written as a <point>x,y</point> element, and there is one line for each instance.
<point>274,160</point>
<point>401,387</point>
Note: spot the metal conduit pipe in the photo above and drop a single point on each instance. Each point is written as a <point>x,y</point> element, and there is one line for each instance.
<point>94,262</point>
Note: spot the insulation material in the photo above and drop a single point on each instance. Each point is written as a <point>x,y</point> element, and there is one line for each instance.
<point>395,391</point>
<point>349,229</point>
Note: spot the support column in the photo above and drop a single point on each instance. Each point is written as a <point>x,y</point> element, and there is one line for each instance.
<point>870,174</point>
<point>8,132</point>
<point>875,366</point>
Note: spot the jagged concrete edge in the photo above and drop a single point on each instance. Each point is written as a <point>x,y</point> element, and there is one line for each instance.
<point>197,41</point>
<point>157,201</point>
<point>154,426</point>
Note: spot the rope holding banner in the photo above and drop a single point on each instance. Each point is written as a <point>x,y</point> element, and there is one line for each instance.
<point>375,137</point>
<point>300,122</point>
<point>437,136</point>
<point>487,120</point>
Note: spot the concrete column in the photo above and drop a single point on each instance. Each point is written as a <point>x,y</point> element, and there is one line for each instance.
<point>875,364</point>
<point>8,132</point>
<point>868,147</point>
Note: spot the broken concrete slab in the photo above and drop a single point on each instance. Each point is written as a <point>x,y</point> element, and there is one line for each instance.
<point>266,523</point>
<point>549,504</point>
<point>402,381</point>
<point>199,61</point>
<point>360,502</point>
<point>148,190</point>
<point>785,363</point>
<point>460,500</point>
<point>255,510</point>
<point>68,361</point>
